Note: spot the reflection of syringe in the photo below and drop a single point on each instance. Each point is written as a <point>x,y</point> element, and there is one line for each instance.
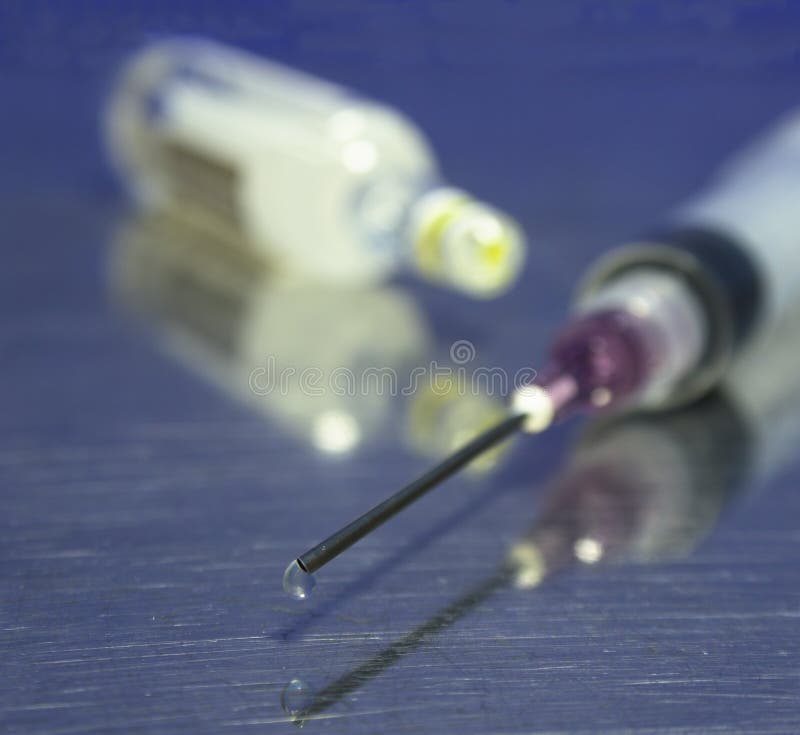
<point>658,322</point>
<point>638,488</point>
<point>648,486</point>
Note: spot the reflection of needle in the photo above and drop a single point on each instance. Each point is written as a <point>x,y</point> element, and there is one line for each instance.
<point>359,676</point>
<point>335,544</point>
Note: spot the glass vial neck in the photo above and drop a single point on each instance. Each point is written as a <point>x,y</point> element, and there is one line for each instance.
<point>465,243</point>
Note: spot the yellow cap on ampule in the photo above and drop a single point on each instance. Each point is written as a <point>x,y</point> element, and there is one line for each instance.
<point>466,243</point>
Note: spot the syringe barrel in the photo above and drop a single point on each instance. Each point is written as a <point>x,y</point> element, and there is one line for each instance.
<point>736,245</point>
<point>755,201</point>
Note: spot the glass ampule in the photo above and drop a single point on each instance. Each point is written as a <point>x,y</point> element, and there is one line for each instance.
<point>323,182</point>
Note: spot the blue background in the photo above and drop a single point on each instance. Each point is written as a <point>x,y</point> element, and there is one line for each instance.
<point>146,518</point>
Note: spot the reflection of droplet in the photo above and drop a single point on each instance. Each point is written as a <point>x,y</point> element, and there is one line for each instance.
<point>296,696</point>
<point>296,582</point>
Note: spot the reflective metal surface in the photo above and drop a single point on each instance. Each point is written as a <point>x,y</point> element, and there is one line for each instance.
<point>638,575</point>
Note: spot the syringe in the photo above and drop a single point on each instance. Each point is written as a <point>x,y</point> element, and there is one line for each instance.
<point>656,323</point>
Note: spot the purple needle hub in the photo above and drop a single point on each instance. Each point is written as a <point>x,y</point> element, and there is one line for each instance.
<point>598,360</point>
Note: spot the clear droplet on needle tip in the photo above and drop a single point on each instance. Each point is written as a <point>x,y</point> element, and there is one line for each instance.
<point>298,583</point>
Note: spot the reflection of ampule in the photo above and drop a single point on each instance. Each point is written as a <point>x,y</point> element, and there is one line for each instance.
<point>446,411</point>
<point>323,361</point>
<point>326,183</point>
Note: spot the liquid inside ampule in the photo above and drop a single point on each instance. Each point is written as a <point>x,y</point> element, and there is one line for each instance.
<point>298,583</point>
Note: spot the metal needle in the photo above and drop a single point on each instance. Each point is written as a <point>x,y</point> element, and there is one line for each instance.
<point>335,544</point>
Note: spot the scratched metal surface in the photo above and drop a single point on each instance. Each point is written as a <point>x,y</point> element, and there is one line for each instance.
<point>147,517</point>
